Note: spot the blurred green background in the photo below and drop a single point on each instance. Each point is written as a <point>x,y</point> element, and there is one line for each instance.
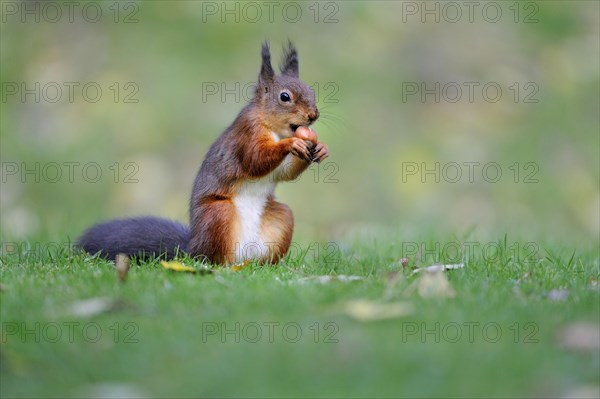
<point>362,59</point>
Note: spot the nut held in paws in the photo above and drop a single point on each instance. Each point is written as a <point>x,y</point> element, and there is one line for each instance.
<point>306,133</point>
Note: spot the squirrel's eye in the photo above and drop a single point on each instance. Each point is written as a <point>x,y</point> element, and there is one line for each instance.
<point>285,97</point>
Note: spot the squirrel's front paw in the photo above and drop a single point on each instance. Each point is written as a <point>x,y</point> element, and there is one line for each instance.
<point>320,152</point>
<point>301,149</point>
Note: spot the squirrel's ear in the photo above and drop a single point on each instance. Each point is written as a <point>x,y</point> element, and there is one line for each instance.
<point>266,70</point>
<point>289,63</point>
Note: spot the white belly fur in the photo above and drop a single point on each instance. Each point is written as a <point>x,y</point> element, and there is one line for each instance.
<point>250,204</point>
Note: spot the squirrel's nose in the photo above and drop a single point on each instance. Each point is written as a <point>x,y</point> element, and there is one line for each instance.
<point>313,115</point>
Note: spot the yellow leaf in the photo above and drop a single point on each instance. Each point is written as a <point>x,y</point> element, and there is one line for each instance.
<point>177,266</point>
<point>240,266</point>
<point>364,310</point>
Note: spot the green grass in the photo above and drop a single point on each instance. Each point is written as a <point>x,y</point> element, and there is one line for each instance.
<point>163,347</point>
<point>359,72</point>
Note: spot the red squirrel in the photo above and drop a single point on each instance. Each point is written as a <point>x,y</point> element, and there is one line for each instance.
<point>234,216</point>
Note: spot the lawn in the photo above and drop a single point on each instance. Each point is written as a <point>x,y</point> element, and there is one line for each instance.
<point>507,324</point>
<point>460,134</point>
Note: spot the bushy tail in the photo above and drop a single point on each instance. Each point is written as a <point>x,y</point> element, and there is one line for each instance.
<point>141,236</point>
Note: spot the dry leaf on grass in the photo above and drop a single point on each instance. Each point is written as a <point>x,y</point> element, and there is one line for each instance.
<point>439,268</point>
<point>177,266</point>
<point>325,279</point>
<point>582,336</point>
<point>180,267</point>
<point>241,266</point>
<point>111,389</point>
<point>94,306</point>
<point>363,310</point>
<point>435,285</point>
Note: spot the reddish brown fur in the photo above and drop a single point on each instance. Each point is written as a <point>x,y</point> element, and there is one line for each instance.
<point>294,169</point>
<point>276,229</point>
<point>214,218</point>
<point>215,233</point>
<point>245,151</point>
<point>260,154</point>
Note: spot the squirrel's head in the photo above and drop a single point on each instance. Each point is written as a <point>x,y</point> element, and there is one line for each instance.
<point>286,102</point>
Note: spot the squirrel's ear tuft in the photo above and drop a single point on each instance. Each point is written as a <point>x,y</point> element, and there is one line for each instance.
<point>266,70</point>
<point>289,62</point>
